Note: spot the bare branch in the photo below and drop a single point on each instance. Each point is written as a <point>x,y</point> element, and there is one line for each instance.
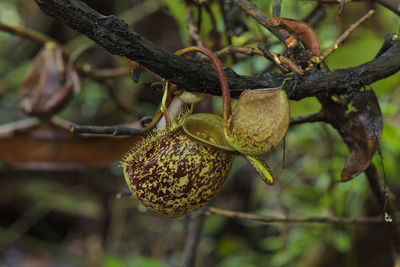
<point>315,16</point>
<point>274,58</point>
<point>110,73</point>
<point>285,219</point>
<point>112,130</point>
<point>252,10</point>
<point>242,50</point>
<point>276,9</point>
<point>192,75</point>
<point>291,65</point>
<point>346,34</point>
<point>193,28</point>
<point>316,117</point>
<point>37,37</point>
<point>26,33</point>
<point>393,5</point>
<point>341,7</point>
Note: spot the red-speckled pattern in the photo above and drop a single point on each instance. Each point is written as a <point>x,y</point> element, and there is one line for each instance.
<point>174,174</point>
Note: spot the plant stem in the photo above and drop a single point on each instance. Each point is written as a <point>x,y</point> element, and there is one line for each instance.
<point>194,227</point>
<point>226,96</point>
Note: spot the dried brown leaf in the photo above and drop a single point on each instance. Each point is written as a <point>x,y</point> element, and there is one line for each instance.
<point>362,133</point>
<point>50,82</point>
<point>302,30</point>
<point>37,144</point>
<point>360,127</point>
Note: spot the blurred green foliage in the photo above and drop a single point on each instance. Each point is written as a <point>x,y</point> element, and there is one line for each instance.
<point>131,261</point>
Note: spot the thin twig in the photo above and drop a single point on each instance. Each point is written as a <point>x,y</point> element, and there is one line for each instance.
<point>111,130</point>
<point>194,227</point>
<point>285,219</point>
<point>341,7</point>
<point>345,35</point>
<point>111,73</point>
<point>226,26</point>
<point>100,76</point>
<point>253,11</point>
<point>375,182</point>
<point>26,33</point>
<point>214,34</point>
<point>315,16</point>
<point>236,49</point>
<point>193,29</point>
<point>212,16</point>
<point>393,5</point>
<point>42,39</point>
<point>279,59</point>
<point>30,34</point>
<point>274,58</point>
<point>276,9</point>
<point>291,65</point>
<point>199,18</point>
<point>316,117</point>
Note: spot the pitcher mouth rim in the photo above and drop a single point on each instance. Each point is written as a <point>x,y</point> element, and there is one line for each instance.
<point>211,119</point>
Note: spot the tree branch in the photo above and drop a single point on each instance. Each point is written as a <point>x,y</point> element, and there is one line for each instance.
<point>393,5</point>
<point>108,130</point>
<point>252,10</point>
<point>42,39</point>
<point>118,38</point>
<point>276,10</point>
<point>346,34</point>
<point>280,219</point>
<point>26,33</point>
<point>285,219</point>
<point>316,117</point>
